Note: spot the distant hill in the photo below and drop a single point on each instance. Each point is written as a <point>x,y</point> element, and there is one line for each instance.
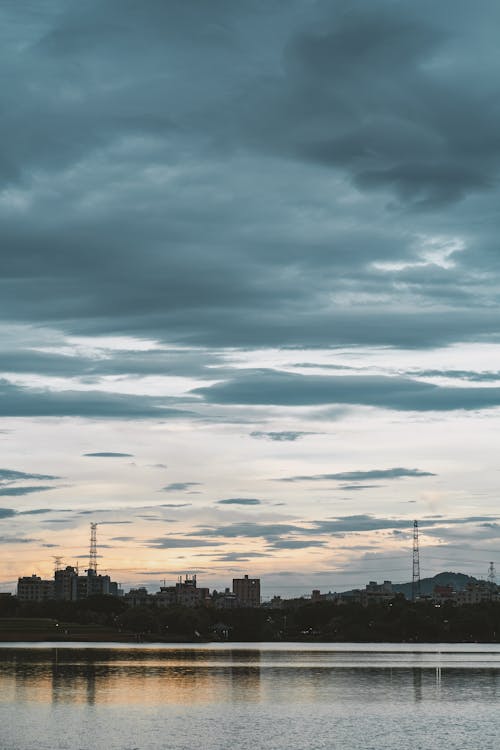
<point>458,580</point>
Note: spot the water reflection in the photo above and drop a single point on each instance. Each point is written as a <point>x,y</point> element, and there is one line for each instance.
<point>186,677</point>
<point>60,676</point>
<point>417,684</point>
<point>220,699</point>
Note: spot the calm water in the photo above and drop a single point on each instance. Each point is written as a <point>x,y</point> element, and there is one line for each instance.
<point>248,697</point>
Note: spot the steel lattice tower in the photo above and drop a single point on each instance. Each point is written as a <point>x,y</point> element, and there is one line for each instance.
<point>415,583</point>
<point>492,575</point>
<point>93,548</point>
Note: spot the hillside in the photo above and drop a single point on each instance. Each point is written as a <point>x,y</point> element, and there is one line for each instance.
<point>457,580</point>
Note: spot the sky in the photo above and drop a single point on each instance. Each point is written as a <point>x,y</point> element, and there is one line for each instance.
<point>249,288</point>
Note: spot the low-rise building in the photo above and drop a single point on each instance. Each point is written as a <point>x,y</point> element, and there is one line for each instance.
<point>225,600</point>
<point>166,596</point>
<point>184,593</point>
<point>34,589</point>
<point>476,593</point>
<point>137,597</point>
<point>317,596</point>
<point>442,594</point>
<point>189,595</point>
<point>377,593</point>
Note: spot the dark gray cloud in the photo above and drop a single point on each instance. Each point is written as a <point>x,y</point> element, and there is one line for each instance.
<point>280,532</point>
<point>10,512</point>
<point>358,487</point>
<point>167,362</point>
<point>366,522</point>
<point>175,505</point>
<point>15,491</point>
<point>83,557</point>
<point>261,387</point>
<point>9,475</point>
<point>7,512</point>
<point>360,522</point>
<point>476,377</point>
<point>354,129</point>
<point>17,540</point>
<point>109,454</point>
<point>239,556</point>
<point>348,476</point>
<point>240,501</point>
<point>9,484</point>
<point>296,543</point>
<point>169,542</point>
<point>180,486</point>
<point>19,401</point>
<point>251,529</point>
<point>288,436</point>
<point>122,539</point>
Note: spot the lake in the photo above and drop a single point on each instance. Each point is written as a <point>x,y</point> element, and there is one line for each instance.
<point>274,696</point>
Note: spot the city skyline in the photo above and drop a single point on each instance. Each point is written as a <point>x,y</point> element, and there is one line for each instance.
<point>249,289</point>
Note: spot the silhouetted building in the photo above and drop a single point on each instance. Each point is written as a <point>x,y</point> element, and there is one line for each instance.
<point>189,595</point>
<point>225,600</point>
<point>137,597</point>
<point>377,593</point>
<point>247,591</point>
<point>185,593</point>
<point>34,589</point>
<point>317,596</point>
<point>97,584</point>
<point>66,584</point>
<point>476,593</point>
<point>442,594</point>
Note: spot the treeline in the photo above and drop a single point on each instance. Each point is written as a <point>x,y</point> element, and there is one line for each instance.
<point>399,621</point>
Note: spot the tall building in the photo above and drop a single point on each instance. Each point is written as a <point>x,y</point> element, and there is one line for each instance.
<point>247,591</point>
<point>97,584</point>
<point>71,586</point>
<point>66,584</point>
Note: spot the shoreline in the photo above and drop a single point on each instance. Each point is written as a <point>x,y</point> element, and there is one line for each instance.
<point>130,640</point>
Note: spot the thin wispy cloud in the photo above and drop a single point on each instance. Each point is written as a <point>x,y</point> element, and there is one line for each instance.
<point>285,436</point>
<point>240,501</point>
<point>18,491</point>
<point>108,454</point>
<point>179,486</point>
<point>357,476</point>
<point>10,475</point>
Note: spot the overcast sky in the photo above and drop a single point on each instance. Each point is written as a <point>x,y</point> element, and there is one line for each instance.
<point>249,288</point>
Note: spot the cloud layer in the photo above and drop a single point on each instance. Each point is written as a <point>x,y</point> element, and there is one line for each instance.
<point>243,247</point>
<point>385,104</point>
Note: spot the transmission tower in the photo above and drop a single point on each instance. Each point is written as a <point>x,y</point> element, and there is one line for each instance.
<point>93,548</point>
<point>492,574</point>
<point>415,583</point>
<point>57,562</point>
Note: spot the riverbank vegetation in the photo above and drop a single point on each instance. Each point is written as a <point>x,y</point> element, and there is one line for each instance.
<point>108,618</point>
